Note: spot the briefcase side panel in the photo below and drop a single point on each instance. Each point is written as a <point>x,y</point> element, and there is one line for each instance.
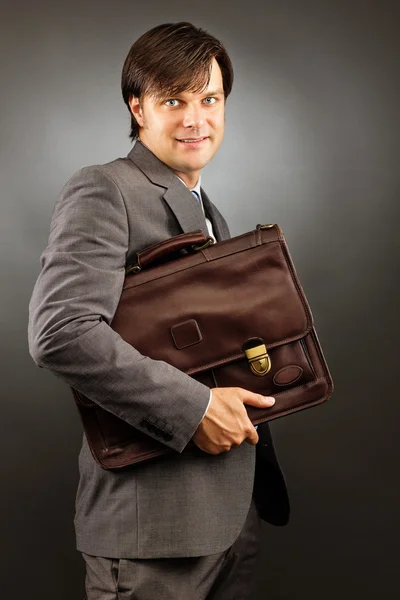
<point>113,442</point>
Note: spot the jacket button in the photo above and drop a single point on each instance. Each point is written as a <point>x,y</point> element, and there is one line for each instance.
<point>144,423</point>
<point>168,436</point>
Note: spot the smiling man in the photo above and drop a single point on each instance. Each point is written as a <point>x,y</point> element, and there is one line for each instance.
<point>187,526</point>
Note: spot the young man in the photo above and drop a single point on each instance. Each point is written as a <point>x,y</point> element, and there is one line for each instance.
<point>184,527</point>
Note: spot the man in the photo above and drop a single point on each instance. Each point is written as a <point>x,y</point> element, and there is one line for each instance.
<point>183,527</point>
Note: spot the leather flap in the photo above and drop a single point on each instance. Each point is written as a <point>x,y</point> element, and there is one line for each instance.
<point>197,311</point>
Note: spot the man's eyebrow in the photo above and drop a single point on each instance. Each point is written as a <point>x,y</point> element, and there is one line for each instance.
<point>214,93</point>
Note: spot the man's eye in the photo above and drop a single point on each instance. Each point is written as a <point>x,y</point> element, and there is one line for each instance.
<point>209,98</point>
<point>168,101</point>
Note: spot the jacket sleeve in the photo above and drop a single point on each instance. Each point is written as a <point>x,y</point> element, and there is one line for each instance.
<point>72,305</point>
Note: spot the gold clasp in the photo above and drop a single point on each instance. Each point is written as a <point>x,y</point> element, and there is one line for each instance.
<point>257,355</point>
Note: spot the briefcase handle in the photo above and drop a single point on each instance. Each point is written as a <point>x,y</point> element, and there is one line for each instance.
<point>192,242</point>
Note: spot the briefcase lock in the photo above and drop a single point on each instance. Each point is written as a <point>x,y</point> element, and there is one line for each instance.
<point>257,355</point>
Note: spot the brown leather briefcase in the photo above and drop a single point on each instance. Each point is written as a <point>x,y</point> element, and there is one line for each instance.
<point>231,314</point>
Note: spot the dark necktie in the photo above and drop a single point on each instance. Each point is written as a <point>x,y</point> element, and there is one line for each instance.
<point>195,194</point>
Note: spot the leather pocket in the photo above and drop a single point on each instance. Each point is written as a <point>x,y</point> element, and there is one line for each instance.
<point>290,367</point>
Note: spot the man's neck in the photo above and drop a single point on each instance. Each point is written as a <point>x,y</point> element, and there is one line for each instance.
<point>190,179</point>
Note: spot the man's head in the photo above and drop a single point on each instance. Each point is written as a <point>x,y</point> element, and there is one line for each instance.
<point>175,81</point>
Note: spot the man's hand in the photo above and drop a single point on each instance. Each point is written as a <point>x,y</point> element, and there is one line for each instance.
<point>226,424</point>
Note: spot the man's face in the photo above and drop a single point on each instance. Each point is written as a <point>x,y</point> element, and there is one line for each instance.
<point>167,126</point>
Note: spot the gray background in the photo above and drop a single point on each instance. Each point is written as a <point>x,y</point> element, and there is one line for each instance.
<point>312,143</point>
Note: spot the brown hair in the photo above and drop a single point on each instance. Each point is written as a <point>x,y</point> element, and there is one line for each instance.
<point>169,59</point>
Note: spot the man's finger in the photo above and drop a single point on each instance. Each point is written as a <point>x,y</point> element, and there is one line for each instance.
<point>252,438</point>
<point>258,400</point>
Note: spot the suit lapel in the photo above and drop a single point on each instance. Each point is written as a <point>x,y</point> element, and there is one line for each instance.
<point>181,201</point>
<point>185,207</point>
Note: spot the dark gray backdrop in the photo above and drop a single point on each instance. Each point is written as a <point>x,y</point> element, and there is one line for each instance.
<point>313,119</point>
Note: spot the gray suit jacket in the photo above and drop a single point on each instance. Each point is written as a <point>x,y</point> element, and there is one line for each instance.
<point>185,504</point>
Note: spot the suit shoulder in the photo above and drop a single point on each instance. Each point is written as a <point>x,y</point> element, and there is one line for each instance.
<point>93,186</point>
<point>116,170</point>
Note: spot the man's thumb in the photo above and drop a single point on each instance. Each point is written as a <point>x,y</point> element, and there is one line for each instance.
<point>258,400</point>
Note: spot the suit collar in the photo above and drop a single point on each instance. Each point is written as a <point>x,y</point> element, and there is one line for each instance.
<point>185,207</point>
<point>154,169</point>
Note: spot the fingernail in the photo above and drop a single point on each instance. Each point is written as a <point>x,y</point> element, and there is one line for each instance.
<point>270,400</point>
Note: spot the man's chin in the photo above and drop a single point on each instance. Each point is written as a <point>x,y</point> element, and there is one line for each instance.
<point>189,167</point>
<point>197,163</point>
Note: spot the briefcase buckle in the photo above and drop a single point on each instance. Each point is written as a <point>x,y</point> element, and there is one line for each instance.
<point>259,361</point>
<point>133,269</point>
<point>207,243</point>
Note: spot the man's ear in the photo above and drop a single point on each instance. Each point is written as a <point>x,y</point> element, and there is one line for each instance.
<point>136,110</point>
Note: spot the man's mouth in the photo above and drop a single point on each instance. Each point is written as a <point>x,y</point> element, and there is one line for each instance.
<point>192,141</point>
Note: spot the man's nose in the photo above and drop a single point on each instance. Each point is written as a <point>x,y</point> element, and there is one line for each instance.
<point>193,116</point>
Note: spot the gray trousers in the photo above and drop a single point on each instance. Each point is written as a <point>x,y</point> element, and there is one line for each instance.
<point>224,576</point>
